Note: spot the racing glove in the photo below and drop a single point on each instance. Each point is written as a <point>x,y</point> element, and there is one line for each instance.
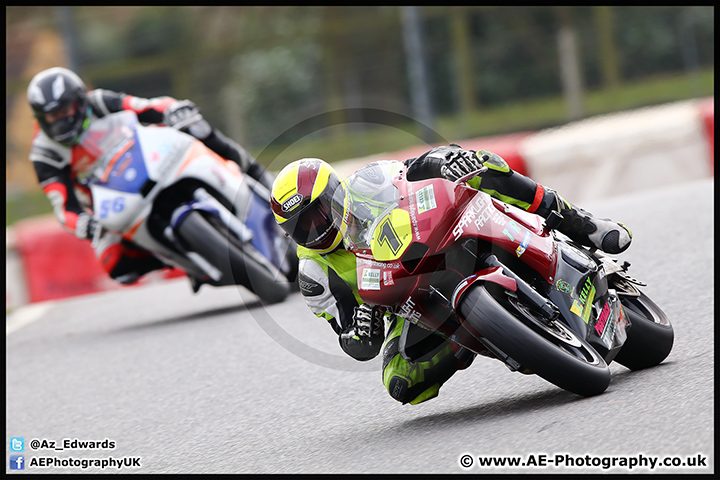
<point>182,114</point>
<point>459,163</point>
<point>86,226</point>
<point>363,338</point>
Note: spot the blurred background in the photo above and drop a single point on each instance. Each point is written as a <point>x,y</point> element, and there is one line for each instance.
<point>273,78</point>
<point>553,89</point>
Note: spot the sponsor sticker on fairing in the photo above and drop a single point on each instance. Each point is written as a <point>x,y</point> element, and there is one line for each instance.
<point>576,308</point>
<point>425,198</point>
<point>583,304</point>
<point>370,279</point>
<point>523,245</point>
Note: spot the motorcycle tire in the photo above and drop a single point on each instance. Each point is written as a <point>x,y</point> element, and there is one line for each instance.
<point>553,351</point>
<point>650,336</point>
<point>237,261</point>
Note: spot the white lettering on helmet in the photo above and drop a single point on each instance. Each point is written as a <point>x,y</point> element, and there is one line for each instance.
<point>292,202</point>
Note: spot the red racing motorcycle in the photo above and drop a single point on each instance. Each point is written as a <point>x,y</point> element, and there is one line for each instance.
<point>496,279</point>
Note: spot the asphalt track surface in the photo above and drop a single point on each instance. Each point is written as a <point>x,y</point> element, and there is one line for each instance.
<point>217,383</point>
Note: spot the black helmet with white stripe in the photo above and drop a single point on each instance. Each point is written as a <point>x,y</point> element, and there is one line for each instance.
<point>59,101</point>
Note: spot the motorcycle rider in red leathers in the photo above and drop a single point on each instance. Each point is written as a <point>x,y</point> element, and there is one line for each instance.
<point>64,108</point>
<point>416,362</point>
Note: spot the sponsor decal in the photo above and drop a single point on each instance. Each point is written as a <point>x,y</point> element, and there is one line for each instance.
<point>611,323</point>
<point>130,174</point>
<point>576,308</point>
<point>523,245</point>
<point>413,218</point>
<point>370,279</point>
<point>407,311</point>
<point>292,202</point>
<point>582,306</point>
<point>497,217</point>
<point>604,328</point>
<point>308,287</point>
<point>388,278</point>
<point>602,319</point>
<point>515,228</point>
<point>383,265</point>
<point>587,295</point>
<point>563,286</point>
<point>483,217</point>
<point>425,198</point>
<point>470,214</point>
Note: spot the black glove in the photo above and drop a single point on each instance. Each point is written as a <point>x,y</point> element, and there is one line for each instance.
<point>461,163</point>
<point>182,114</point>
<point>367,323</point>
<point>363,339</point>
<point>86,226</point>
<point>368,320</point>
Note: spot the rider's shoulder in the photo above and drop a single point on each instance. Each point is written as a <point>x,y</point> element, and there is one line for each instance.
<point>104,102</point>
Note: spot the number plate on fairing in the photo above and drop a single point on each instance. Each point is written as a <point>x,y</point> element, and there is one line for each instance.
<point>391,236</point>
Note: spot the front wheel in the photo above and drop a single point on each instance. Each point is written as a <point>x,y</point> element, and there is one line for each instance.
<point>553,351</point>
<point>650,336</point>
<point>241,263</point>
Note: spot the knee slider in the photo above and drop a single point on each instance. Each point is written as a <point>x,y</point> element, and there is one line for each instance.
<point>398,389</point>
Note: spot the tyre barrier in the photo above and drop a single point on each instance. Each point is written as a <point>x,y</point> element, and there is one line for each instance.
<point>44,262</point>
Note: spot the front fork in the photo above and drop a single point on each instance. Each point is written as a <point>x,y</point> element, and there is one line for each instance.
<point>547,309</point>
<point>496,272</point>
<point>207,203</point>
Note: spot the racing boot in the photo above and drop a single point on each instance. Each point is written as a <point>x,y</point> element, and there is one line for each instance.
<point>585,229</point>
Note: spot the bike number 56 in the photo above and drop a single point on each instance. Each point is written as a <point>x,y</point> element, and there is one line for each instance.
<point>115,205</point>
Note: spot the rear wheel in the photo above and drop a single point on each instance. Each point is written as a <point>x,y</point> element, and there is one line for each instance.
<point>552,351</point>
<point>650,336</point>
<point>240,264</point>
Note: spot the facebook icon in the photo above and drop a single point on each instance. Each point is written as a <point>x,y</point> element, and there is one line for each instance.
<point>17,462</point>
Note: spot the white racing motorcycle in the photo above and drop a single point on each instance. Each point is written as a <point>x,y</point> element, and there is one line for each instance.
<point>166,192</point>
